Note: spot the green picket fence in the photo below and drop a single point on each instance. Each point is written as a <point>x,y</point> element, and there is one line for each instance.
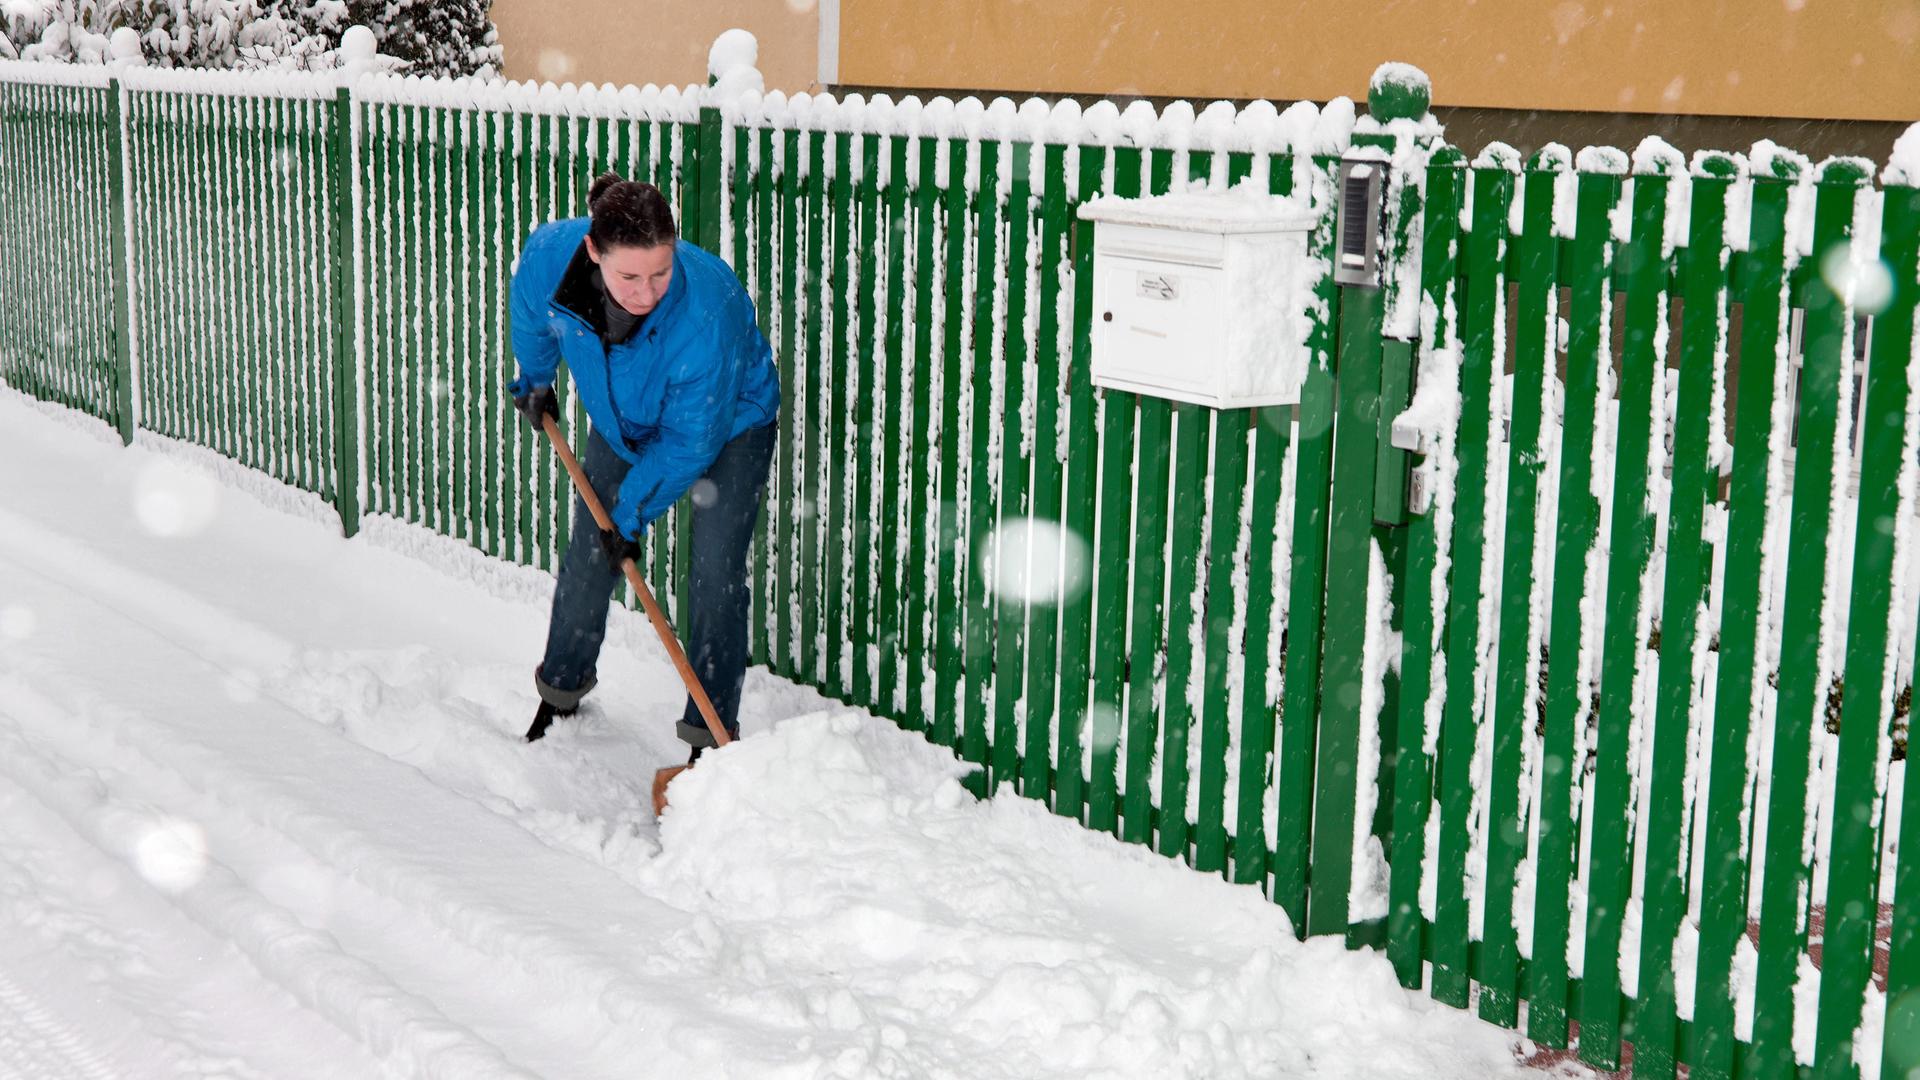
<point>933,344</point>
<point>1609,775</point>
<point>57,239</point>
<point>1645,764</point>
<point>235,213</point>
<point>446,193</point>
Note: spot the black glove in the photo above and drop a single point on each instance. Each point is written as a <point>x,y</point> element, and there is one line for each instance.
<point>618,548</point>
<point>535,403</point>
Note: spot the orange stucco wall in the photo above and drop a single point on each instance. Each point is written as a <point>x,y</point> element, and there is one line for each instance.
<point>1837,59</point>
<point>653,41</point>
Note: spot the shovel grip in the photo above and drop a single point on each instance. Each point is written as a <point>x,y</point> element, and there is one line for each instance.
<point>667,637</point>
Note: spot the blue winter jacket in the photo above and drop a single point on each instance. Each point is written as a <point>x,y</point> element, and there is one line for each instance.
<point>695,374</point>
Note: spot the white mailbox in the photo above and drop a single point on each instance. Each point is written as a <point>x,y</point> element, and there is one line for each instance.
<point>1203,296</point>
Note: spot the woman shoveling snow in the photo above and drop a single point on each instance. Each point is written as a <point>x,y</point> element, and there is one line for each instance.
<point>668,360</point>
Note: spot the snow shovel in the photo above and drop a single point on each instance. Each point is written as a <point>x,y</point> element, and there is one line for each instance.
<point>699,693</point>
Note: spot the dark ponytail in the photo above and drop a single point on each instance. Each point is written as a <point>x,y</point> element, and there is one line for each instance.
<point>600,185</point>
<point>628,213</point>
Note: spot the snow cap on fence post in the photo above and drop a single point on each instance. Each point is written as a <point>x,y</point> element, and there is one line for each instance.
<point>733,48</point>
<point>1400,128</point>
<point>359,53</point>
<point>1844,170</point>
<point>1903,165</point>
<point>731,76</point>
<point>731,65</point>
<point>124,48</point>
<point>1399,99</point>
<point>1399,92</point>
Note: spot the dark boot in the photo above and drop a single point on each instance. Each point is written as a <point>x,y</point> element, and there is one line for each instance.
<point>543,719</point>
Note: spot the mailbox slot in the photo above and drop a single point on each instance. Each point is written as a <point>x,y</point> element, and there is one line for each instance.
<point>1358,260</point>
<point>1164,245</point>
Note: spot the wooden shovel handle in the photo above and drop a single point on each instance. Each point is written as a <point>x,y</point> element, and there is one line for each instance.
<point>667,638</point>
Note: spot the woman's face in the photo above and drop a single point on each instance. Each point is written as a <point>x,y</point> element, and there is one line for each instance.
<point>636,277</point>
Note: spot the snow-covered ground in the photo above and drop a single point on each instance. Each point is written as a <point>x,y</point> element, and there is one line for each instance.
<point>265,812</point>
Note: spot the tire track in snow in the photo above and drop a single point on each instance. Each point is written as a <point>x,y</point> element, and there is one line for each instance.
<point>244,651</point>
<point>141,598</point>
<point>647,1004</point>
<point>35,1044</point>
<point>220,639</point>
<point>501,934</point>
<point>41,893</point>
<point>405,1032</point>
<point>494,931</point>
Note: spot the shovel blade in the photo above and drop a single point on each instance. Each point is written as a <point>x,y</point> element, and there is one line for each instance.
<point>660,781</point>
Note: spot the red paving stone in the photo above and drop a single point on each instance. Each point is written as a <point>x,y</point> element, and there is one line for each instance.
<point>1568,1061</point>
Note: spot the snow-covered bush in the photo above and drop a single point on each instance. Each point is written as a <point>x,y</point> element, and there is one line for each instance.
<point>427,37</point>
<point>435,37</point>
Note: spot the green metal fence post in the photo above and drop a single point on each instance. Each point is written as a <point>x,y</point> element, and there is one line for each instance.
<point>1072,778</point>
<point>1482,267</point>
<point>1358,380</point>
<point>1858,809</point>
<point>1347,612</point>
<point>1517,632</point>
<point>837,392</point>
<point>1724,892</point>
<point>1312,489</point>
<point>866,395</point>
<point>1052,371</point>
<point>703,173</point>
<point>1586,268</point>
<point>1643,269</point>
<point>346,409</point>
<point>1401,239</point>
<point>1900,1050</point>
<point>1684,619</point>
<point>1805,687</point>
<point>1112,556</point>
<point>117,252</point>
<point>1422,627</point>
<point>1266,643</point>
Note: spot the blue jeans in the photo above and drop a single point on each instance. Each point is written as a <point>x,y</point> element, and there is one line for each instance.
<point>726,504</point>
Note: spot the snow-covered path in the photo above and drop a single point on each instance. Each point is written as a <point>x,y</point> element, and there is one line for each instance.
<point>265,812</point>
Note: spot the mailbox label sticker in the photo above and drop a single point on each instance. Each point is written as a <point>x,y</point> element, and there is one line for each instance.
<point>1158,286</point>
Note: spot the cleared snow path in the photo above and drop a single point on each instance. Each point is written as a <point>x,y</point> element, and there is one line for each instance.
<point>265,812</point>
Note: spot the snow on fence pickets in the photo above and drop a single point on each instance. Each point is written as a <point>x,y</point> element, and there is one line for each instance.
<point>54,250</point>
<point>233,181</point>
<point>1606,727</point>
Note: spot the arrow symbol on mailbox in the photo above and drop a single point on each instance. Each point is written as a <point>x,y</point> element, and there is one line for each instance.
<point>1159,287</point>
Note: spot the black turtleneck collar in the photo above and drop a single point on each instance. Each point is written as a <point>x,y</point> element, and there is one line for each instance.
<point>583,291</point>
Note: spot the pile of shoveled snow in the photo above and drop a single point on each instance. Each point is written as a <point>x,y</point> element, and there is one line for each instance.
<point>858,892</point>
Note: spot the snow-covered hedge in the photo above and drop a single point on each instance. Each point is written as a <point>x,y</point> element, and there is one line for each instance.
<point>430,37</point>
